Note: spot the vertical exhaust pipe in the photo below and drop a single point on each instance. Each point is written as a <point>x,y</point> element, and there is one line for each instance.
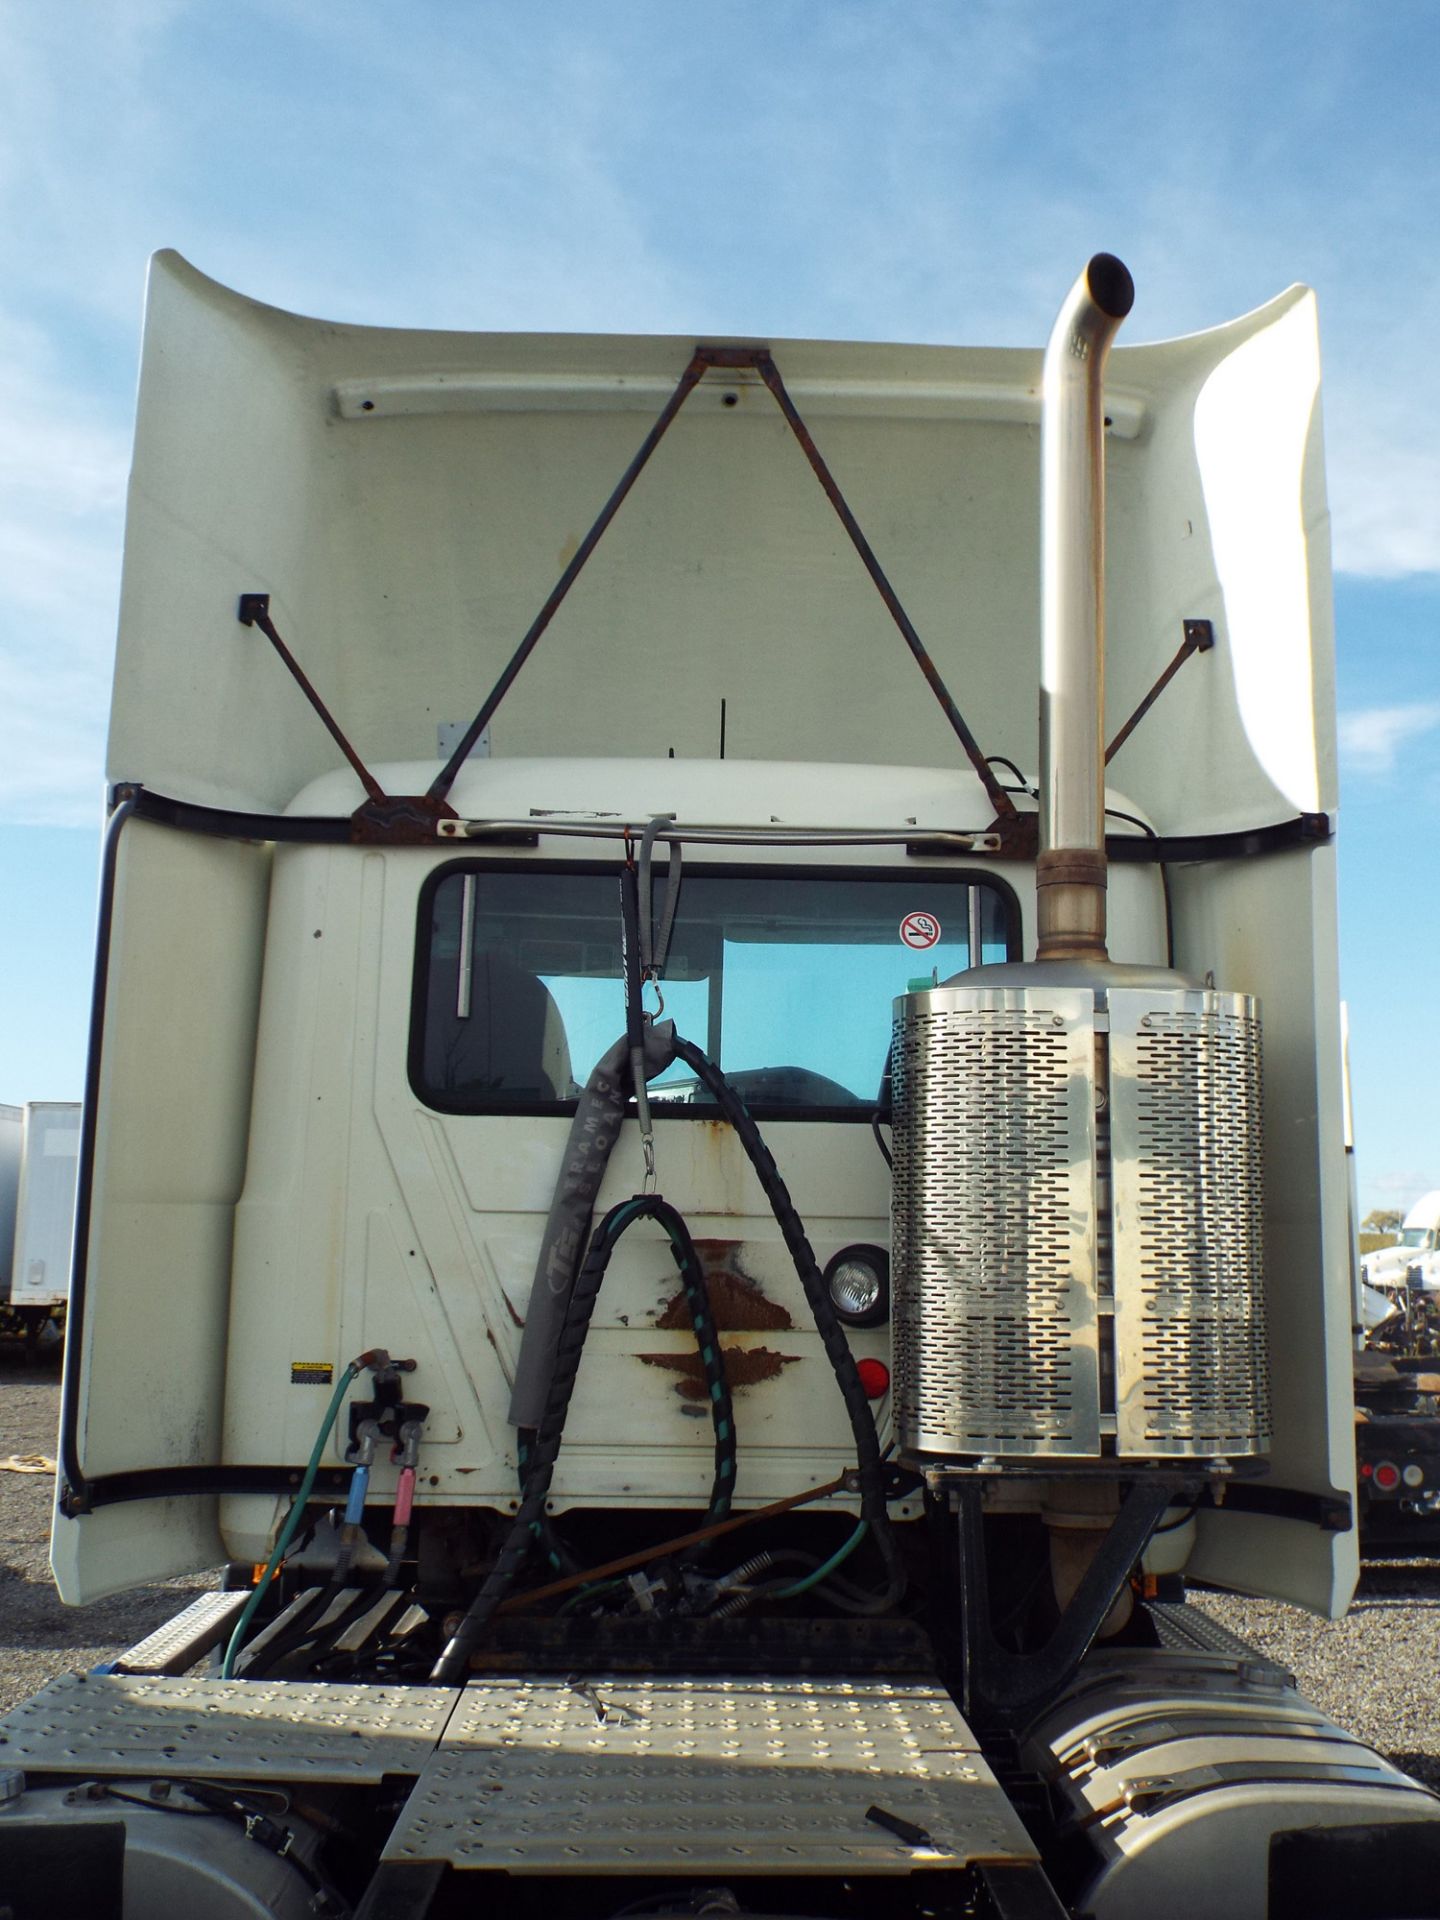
<point>1070,870</point>
<point>1128,1322</point>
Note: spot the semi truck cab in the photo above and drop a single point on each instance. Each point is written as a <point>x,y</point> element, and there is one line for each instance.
<point>708,1210</point>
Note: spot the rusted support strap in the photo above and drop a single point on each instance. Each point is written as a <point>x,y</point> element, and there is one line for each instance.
<point>689,380</point>
<point>760,361</point>
<point>999,799</point>
<point>254,611</point>
<point>1199,638</point>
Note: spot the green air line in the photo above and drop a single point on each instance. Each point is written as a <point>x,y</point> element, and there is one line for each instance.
<point>292,1521</point>
<point>836,1559</point>
<point>589,1593</point>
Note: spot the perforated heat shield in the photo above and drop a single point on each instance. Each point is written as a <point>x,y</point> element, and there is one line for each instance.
<point>993,1239</point>
<point>1191,1358</point>
<point>1038,1304</point>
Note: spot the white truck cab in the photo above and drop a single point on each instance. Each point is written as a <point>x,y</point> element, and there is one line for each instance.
<point>1416,1250</point>
<point>712,1220</point>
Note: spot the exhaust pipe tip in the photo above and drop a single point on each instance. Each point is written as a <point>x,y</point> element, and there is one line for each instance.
<point>1070,873</point>
<point>1110,284</point>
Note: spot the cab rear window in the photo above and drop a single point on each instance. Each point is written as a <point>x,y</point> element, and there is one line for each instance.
<point>786,978</point>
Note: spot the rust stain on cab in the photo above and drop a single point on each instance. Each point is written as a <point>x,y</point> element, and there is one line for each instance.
<point>744,1367</point>
<point>515,1319</point>
<point>736,1300</point>
<point>721,1166</point>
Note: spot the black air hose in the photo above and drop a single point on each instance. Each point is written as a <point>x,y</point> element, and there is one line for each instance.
<point>599,1116</point>
<point>546,1448</point>
<point>558,1557</point>
<point>842,1594</point>
<point>827,1322</point>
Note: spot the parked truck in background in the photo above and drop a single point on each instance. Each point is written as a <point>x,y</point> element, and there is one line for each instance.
<point>1413,1260</point>
<point>713,1256</point>
<point>12,1137</point>
<point>1397,1387</point>
<point>36,1276</point>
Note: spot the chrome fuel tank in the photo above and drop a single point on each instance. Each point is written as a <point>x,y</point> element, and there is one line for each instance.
<point>1179,1776</point>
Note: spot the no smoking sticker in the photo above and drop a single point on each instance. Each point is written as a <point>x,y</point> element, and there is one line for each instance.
<point>919,931</point>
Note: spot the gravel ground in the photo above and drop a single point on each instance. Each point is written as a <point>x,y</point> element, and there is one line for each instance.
<point>1377,1672</point>
<point>39,1637</point>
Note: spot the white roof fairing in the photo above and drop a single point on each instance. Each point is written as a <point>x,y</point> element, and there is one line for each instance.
<point>409,500</point>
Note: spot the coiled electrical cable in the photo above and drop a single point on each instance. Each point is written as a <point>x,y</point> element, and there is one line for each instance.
<point>871,1469</point>
<point>546,1448</point>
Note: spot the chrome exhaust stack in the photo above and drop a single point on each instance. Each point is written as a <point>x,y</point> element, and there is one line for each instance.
<point>1070,872</point>
<point>1077,1202</point>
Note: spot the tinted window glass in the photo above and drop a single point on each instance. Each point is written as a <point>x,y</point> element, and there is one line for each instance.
<point>785,978</point>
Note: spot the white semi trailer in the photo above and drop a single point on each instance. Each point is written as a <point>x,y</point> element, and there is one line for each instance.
<point>12,1145</point>
<point>721,1059</point>
<point>36,1276</point>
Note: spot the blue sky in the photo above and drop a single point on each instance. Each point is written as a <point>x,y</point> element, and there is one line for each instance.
<point>927,171</point>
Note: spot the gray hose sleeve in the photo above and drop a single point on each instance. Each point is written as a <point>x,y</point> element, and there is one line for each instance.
<point>654,947</point>
<point>660,950</point>
<point>591,1141</point>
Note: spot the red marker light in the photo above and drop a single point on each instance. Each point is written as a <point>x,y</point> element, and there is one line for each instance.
<point>874,1378</point>
<point>1387,1476</point>
<point>1366,1469</point>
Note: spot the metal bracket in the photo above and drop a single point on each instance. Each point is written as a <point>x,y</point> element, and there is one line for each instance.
<point>384,818</point>
<point>402,1890</point>
<point>899,1482</point>
<point>1199,637</point>
<point>1005,1688</point>
<point>760,361</point>
<point>1331,1513</point>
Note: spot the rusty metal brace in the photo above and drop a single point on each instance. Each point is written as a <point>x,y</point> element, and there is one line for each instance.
<point>384,816</point>
<point>759,360</point>
<point>1199,638</point>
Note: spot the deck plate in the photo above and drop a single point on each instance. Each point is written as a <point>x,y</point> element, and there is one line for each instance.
<point>705,1776</point>
<point>227,1729</point>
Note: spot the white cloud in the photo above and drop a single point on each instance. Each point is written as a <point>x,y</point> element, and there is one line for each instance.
<point>1372,739</point>
<point>62,484</point>
<point>1399,1188</point>
<point>61,459</point>
<point>1385,488</point>
<point>52,742</point>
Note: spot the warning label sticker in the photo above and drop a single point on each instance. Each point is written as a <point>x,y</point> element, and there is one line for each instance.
<point>919,931</point>
<point>311,1373</point>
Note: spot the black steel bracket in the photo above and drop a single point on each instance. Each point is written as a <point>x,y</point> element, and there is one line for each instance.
<point>1018,1890</point>
<point>1331,1513</point>
<point>402,1890</point>
<point>1304,830</point>
<point>1005,1688</point>
<point>197,1482</point>
<point>1282,836</point>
